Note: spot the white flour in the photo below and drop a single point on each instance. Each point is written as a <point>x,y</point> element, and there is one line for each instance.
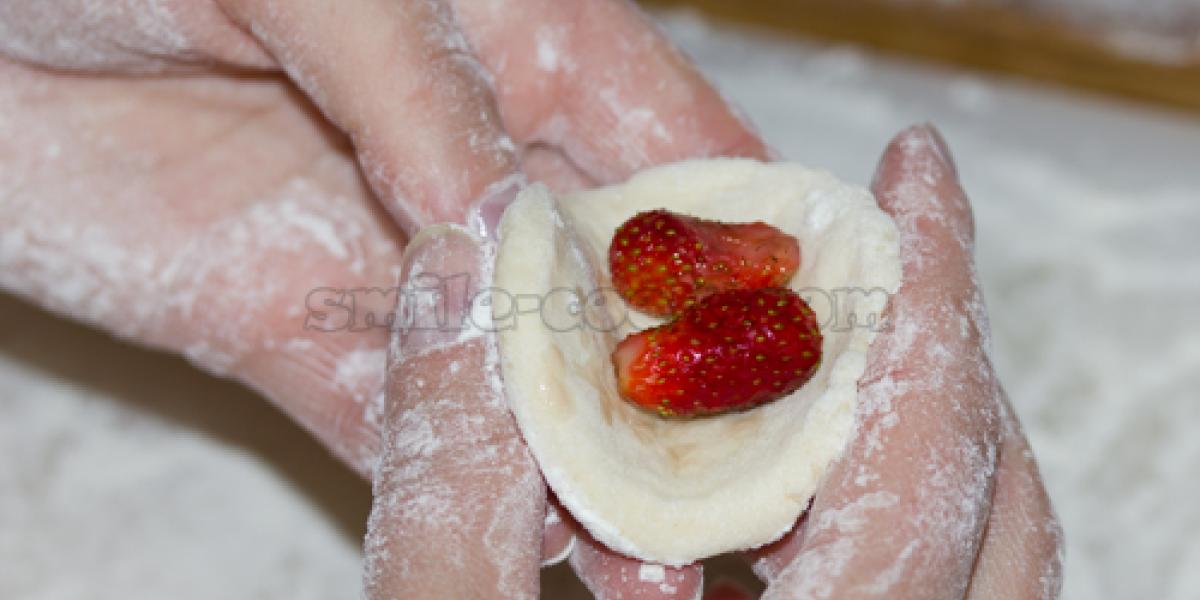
<point>124,474</point>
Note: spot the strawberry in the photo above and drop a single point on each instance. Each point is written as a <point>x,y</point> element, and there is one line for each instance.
<point>662,262</point>
<point>730,350</point>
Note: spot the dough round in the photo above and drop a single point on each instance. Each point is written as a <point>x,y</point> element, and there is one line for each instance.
<point>670,490</point>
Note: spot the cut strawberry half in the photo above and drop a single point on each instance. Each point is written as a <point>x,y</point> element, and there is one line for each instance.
<point>662,262</point>
<point>730,350</point>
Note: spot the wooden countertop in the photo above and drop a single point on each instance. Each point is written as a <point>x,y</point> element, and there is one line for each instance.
<point>990,38</point>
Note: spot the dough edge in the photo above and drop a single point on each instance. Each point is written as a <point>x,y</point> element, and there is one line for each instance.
<point>730,519</point>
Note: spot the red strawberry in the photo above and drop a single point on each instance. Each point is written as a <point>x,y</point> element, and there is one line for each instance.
<point>662,262</point>
<point>731,350</point>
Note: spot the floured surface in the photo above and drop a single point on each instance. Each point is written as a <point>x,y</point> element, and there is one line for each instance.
<point>1078,203</point>
<point>675,490</point>
<point>128,474</point>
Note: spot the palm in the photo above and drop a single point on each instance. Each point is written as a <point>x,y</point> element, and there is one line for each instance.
<point>211,206</point>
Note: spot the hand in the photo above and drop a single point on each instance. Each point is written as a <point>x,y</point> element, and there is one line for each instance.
<point>937,496</point>
<point>184,173</point>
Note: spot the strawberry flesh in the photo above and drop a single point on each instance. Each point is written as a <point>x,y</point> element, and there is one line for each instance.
<point>662,262</point>
<point>731,350</point>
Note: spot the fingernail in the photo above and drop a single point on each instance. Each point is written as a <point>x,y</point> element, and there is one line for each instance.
<point>562,554</point>
<point>939,145</point>
<point>440,279</point>
<point>487,211</point>
<point>917,143</point>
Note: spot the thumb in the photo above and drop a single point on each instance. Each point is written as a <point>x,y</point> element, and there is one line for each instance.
<point>459,503</point>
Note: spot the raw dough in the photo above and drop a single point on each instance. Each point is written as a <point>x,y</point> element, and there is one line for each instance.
<point>674,491</point>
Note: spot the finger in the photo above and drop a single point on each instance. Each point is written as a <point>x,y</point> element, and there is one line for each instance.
<point>547,164</point>
<point>399,78</point>
<point>124,36</point>
<point>459,503</point>
<point>558,537</point>
<point>1022,551</point>
<point>901,514</point>
<point>597,79</point>
<point>611,576</point>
